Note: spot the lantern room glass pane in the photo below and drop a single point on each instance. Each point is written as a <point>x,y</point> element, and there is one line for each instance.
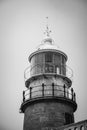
<point>48,57</point>
<point>57,59</point>
<point>48,68</point>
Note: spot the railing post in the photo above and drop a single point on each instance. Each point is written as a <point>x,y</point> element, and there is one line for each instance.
<point>72,93</point>
<point>42,89</point>
<point>30,92</point>
<point>67,94</point>
<point>23,96</point>
<point>64,90</point>
<point>74,97</point>
<point>53,89</point>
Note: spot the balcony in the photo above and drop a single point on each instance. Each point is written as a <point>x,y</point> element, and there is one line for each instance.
<point>49,91</point>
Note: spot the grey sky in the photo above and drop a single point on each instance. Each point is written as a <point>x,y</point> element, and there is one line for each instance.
<point>22,24</point>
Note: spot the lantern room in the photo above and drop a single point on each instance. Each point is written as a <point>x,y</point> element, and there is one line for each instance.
<point>48,59</point>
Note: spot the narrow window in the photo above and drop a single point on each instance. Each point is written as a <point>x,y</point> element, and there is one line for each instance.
<point>68,118</point>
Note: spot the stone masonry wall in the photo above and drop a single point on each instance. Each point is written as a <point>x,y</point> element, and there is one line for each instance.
<point>40,116</point>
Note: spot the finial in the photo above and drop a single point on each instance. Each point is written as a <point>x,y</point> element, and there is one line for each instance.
<point>47,32</point>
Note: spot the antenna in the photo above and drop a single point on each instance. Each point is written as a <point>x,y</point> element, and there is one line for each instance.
<point>47,31</point>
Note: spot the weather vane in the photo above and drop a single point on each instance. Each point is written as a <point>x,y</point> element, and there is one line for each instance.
<point>47,32</point>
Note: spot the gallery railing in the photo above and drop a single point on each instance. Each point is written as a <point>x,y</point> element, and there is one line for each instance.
<point>50,90</point>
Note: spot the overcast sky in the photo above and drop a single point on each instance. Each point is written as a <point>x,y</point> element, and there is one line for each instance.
<point>22,24</point>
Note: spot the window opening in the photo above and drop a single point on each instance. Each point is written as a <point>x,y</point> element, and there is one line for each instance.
<point>68,118</point>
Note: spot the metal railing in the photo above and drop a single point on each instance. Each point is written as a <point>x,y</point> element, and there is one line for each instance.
<point>49,90</point>
<point>45,68</point>
<point>82,125</point>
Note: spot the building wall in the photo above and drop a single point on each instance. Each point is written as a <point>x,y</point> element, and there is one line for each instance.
<point>40,116</point>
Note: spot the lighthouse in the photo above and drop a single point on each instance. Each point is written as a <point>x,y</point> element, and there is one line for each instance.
<point>49,101</point>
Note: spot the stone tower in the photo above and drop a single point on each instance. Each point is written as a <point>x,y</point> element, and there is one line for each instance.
<point>49,101</point>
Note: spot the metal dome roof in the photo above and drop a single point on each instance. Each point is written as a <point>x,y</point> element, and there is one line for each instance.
<point>47,43</point>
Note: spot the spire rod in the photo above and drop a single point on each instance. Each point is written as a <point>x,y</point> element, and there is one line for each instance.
<point>47,31</point>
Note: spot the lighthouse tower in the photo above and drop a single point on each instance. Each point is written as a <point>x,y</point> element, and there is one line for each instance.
<point>49,101</point>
